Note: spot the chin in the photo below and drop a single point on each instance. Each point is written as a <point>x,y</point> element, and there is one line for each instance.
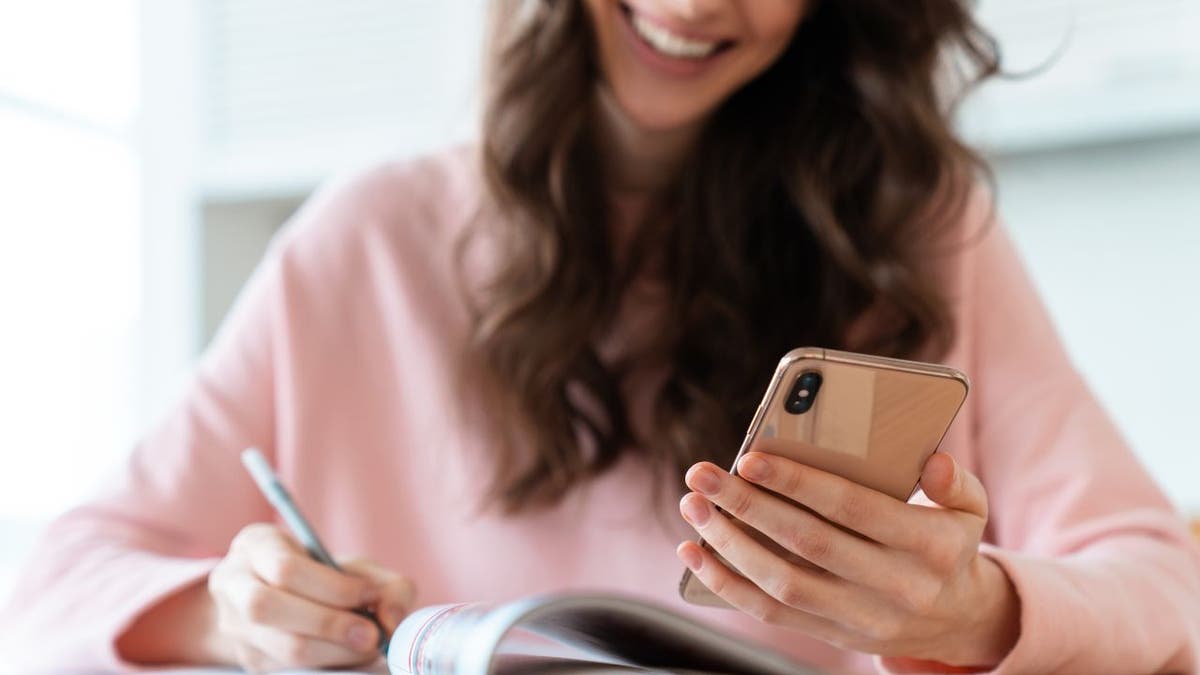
<point>658,113</point>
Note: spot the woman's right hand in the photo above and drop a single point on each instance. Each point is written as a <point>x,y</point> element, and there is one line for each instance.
<point>278,608</point>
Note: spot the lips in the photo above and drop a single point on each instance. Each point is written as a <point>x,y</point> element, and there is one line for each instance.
<point>667,44</point>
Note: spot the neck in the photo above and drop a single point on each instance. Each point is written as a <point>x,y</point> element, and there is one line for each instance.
<point>637,162</point>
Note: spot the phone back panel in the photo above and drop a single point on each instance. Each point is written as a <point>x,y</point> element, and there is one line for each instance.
<point>875,426</point>
<point>872,420</point>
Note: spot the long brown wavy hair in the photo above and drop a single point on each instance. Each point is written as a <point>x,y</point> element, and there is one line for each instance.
<point>813,201</point>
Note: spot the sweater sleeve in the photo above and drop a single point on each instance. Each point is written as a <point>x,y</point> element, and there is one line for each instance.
<point>1107,573</point>
<point>169,514</point>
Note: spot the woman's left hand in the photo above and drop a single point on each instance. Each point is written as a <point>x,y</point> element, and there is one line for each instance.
<point>902,580</point>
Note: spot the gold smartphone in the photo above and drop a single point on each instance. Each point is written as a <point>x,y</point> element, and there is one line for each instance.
<point>870,419</point>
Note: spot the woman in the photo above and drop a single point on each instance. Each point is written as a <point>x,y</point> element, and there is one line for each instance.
<point>484,371</point>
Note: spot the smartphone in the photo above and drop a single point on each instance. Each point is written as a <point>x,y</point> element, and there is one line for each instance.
<point>870,419</point>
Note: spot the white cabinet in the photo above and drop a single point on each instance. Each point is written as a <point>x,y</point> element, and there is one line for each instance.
<point>295,90</point>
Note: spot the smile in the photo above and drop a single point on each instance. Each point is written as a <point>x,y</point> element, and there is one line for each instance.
<point>668,43</point>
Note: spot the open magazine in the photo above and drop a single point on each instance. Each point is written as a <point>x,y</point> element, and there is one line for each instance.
<point>563,634</point>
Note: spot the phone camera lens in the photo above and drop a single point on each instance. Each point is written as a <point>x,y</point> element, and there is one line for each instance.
<point>804,392</point>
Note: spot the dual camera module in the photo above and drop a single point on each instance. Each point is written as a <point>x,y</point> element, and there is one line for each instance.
<point>804,392</point>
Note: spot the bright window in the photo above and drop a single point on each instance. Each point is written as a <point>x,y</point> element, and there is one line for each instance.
<point>70,259</point>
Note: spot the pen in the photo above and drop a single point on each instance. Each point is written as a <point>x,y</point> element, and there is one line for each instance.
<point>279,498</point>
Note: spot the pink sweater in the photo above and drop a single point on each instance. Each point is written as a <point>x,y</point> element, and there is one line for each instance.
<point>337,361</point>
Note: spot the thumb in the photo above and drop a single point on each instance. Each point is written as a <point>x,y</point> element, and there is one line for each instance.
<point>396,591</point>
<point>949,485</point>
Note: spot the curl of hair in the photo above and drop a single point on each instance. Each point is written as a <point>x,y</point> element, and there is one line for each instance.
<point>816,196</point>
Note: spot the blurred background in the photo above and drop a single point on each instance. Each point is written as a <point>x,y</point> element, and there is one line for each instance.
<point>150,148</point>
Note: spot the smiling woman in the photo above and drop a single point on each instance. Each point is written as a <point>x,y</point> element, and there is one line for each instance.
<point>806,162</point>
<point>526,365</point>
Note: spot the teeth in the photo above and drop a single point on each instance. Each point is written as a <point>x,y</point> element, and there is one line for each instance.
<point>669,43</point>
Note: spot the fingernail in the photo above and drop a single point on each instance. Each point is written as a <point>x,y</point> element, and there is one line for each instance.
<point>704,481</point>
<point>370,595</point>
<point>695,510</point>
<point>690,557</point>
<point>361,635</point>
<point>752,467</point>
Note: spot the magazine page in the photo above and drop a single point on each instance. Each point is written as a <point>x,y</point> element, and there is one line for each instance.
<point>451,639</point>
<point>654,638</point>
<point>569,633</point>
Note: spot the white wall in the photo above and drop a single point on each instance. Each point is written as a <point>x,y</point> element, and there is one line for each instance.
<point>1112,237</point>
